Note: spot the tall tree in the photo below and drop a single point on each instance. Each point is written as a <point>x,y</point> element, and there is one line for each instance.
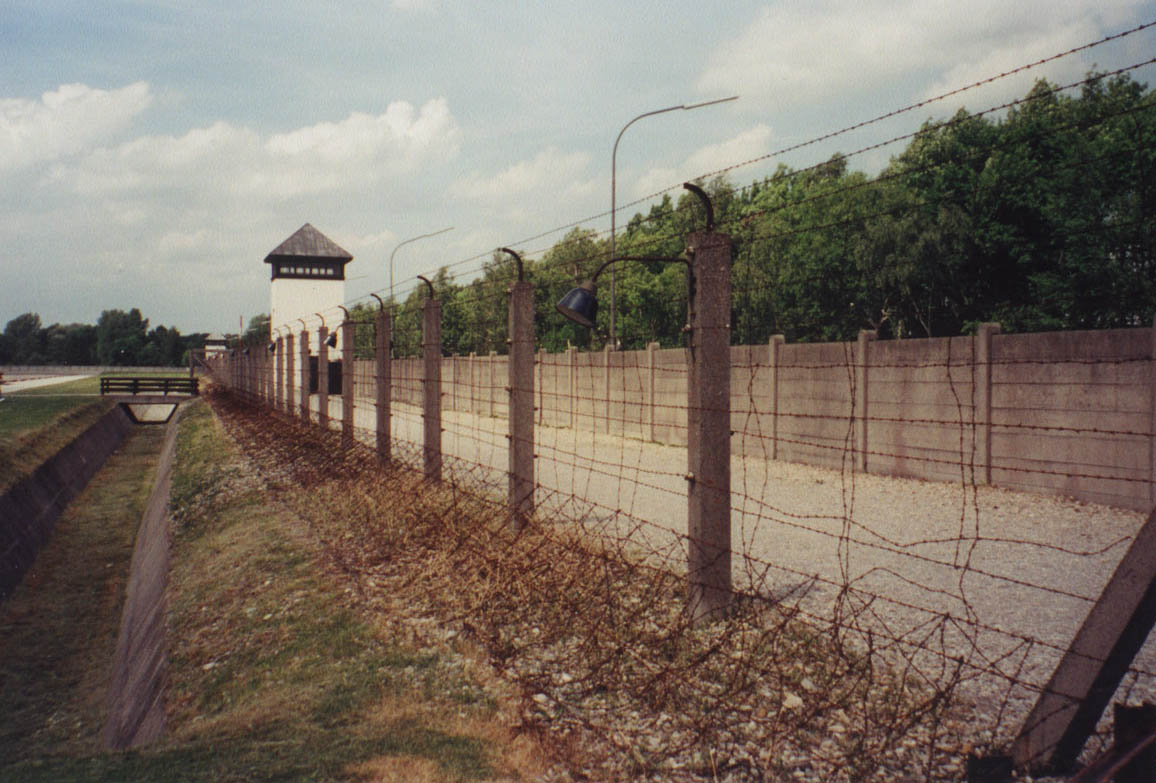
<point>120,337</point>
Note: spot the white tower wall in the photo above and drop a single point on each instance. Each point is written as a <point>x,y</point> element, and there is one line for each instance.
<point>294,298</point>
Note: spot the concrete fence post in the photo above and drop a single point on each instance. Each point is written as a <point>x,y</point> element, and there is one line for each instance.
<point>279,372</point>
<point>304,348</point>
<point>290,378</point>
<point>383,346</point>
<point>454,382</point>
<point>651,400</point>
<point>492,383</point>
<point>432,387</point>
<point>862,398</point>
<point>775,357</point>
<point>1152,420</point>
<point>322,377</point>
<point>708,427</point>
<point>540,384</point>
<point>606,385</point>
<point>472,364</point>
<point>982,401</point>
<point>521,401</point>
<point>572,383</point>
<point>347,383</point>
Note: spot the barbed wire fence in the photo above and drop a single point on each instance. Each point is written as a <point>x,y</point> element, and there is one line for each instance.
<point>915,528</point>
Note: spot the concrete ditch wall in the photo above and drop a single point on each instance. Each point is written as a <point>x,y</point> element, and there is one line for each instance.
<point>136,713</point>
<point>29,509</point>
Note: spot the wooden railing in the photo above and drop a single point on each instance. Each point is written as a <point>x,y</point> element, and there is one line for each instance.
<point>149,385</point>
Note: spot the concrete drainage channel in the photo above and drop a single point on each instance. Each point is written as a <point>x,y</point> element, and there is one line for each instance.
<point>136,713</point>
<point>28,512</point>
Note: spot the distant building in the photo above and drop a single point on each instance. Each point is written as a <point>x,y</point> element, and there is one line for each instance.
<point>308,276</point>
<point>215,344</point>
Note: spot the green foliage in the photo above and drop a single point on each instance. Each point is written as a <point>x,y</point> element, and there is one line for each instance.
<point>1040,220</point>
<point>257,332</point>
<point>118,338</point>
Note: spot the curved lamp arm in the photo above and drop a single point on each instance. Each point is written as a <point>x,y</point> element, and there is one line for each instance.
<point>518,259</point>
<point>580,305</point>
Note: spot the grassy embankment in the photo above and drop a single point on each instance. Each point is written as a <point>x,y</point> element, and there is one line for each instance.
<point>275,672</point>
<point>37,423</point>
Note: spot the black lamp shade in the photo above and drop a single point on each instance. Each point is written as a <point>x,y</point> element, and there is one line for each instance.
<point>580,305</point>
<point>272,347</point>
<point>331,340</point>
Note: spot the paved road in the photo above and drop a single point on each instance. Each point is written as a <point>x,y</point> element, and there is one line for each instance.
<point>16,383</point>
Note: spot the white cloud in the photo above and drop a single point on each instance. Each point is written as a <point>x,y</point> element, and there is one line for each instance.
<point>66,121</point>
<point>549,168</point>
<point>196,212</point>
<point>1017,51</point>
<point>807,54</point>
<point>224,160</point>
<point>751,143</point>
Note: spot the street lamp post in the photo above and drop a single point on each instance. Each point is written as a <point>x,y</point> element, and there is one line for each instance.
<point>406,242</point>
<point>614,190</point>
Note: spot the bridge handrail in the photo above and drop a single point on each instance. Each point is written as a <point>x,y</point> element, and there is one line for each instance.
<point>150,384</point>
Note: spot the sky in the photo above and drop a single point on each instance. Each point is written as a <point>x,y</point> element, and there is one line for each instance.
<point>153,152</point>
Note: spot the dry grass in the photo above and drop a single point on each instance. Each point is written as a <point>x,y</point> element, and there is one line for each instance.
<point>590,634</point>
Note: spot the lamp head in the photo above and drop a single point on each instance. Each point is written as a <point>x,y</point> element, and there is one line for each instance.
<point>581,304</point>
<point>331,340</point>
<point>272,348</point>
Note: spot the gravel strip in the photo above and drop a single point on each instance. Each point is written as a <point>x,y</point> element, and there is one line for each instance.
<point>1014,573</point>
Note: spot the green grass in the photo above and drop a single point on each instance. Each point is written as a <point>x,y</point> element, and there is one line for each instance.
<point>276,672</point>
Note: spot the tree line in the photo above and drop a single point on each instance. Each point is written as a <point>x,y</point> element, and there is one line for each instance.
<point>118,338</point>
<point>1042,219</point>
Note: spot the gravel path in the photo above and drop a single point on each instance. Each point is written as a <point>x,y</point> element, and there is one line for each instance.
<point>1016,573</point>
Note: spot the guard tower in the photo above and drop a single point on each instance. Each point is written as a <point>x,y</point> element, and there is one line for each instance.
<point>308,276</point>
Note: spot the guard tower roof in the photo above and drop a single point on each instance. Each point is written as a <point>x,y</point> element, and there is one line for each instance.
<point>308,242</point>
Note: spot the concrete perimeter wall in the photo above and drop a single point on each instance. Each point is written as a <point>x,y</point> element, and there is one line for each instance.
<point>1071,413</point>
